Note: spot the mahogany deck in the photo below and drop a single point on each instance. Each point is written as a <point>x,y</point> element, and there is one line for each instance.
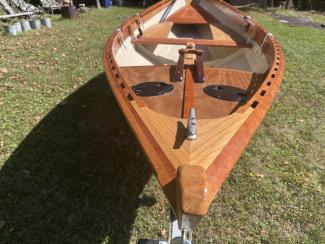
<point>171,104</point>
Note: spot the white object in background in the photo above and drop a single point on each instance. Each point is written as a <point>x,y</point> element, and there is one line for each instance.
<point>10,30</point>
<point>46,22</point>
<point>25,25</point>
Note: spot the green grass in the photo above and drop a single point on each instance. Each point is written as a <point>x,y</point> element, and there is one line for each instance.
<point>71,171</point>
<point>315,17</point>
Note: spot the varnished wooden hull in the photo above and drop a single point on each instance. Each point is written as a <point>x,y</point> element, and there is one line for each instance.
<point>192,172</point>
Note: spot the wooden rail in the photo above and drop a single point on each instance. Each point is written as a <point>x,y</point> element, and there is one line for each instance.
<point>184,41</point>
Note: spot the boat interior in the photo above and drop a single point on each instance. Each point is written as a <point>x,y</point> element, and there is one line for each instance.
<point>194,54</point>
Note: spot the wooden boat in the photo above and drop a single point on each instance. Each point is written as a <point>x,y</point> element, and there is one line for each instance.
<point>194,79</point>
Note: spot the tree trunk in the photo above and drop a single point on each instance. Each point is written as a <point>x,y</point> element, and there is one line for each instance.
<point>289,4</point>
<point>264,3</point>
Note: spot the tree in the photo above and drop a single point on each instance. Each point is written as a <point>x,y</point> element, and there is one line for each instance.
<point>289,4</point>
<point>264,3</point>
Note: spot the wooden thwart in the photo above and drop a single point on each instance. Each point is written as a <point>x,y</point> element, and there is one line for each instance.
<point>184,41</point>
<point>16,15</point>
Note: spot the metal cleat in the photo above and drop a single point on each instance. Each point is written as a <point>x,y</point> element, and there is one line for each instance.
<point>191,127</point>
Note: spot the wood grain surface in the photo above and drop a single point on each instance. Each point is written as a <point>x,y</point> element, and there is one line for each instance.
<point>192,172</point>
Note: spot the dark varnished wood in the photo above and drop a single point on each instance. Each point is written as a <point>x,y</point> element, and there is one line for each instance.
<point>179,72</point>
<point>199,68</point>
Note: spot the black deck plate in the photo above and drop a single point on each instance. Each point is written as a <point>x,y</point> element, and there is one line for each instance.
<point>227,93</point>
<point>154,88</point>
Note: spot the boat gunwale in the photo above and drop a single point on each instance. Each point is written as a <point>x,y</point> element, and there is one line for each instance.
<point>123,99</point>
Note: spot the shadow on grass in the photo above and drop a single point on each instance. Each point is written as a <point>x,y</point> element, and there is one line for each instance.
<point>77,177</point>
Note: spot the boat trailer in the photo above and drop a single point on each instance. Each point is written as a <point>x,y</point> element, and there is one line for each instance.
<point>176,236</point>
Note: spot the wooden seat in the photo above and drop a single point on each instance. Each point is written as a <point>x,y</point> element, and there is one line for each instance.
<point>184,41</point>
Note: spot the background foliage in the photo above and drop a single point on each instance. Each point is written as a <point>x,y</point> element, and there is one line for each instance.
<point>309,4</point>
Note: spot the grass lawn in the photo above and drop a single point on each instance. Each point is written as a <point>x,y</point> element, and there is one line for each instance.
<point>316,17</point>
<point>71,171</point>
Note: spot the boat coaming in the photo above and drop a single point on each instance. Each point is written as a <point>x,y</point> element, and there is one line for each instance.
<point>191,172</point>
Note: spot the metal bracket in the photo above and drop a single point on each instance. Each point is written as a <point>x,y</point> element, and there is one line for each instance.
<point>197,63</point>
<point>140,24</point>
<point>121,38</point>
<point>187,236</point>
<point>176,236</point>
<point>180,67</point>
<point>246,25</point>
<point>139,20</point>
